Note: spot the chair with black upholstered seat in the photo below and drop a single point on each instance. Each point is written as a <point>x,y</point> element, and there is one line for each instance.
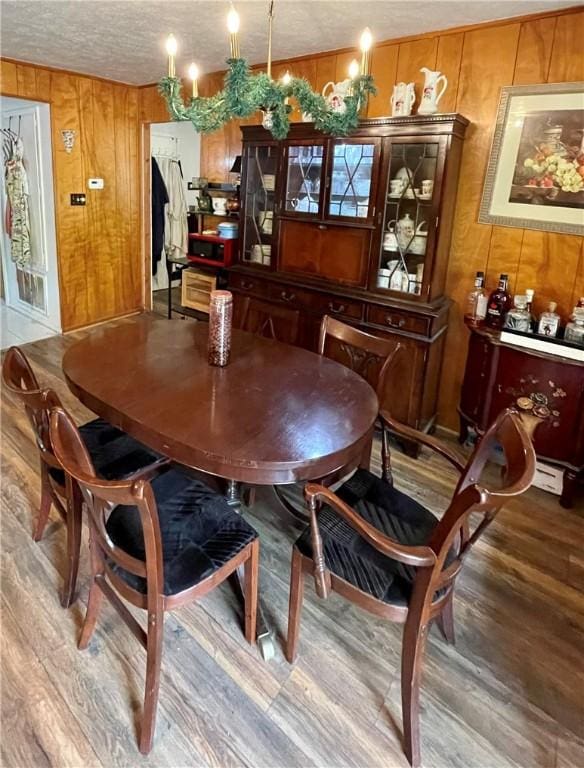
<point>387,553</point>
<point>114,454</point>
<point>159,545</point>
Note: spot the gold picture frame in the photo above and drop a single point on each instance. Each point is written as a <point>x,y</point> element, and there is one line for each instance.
<point>535,174</point>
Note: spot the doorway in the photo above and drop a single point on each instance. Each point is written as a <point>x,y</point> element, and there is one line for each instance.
<point>30,301</point>
<point>175,149</point>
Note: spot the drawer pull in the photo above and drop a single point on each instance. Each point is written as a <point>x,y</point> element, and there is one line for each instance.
<point>336,310</point>
<point>322,226</point>
<point>287,296</point>
<point>246,285</point>
<point>390,321</point>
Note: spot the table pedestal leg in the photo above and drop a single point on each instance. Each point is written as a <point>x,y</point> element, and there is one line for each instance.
<point>265,640</point>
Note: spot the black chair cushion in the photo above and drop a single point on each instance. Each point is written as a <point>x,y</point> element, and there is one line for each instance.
<point>200,532</point>
<point>353,559</point>
<point>115,454</point>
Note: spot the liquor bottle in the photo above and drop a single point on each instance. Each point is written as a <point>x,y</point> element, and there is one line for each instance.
<point>549,322</point>
<point>499,304</point>
<point>477,302</point>
<point>529,294</point>
<point>518,318</point>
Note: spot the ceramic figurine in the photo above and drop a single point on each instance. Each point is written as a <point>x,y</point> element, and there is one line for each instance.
<point>430,94</point>
<point>402,100</point>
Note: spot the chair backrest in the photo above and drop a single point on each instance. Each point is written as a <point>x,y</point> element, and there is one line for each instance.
<point>270,320</point>
<point>101,496</point>
<point>368,355</point>
<point>482,498</point>
<point>18,377</point>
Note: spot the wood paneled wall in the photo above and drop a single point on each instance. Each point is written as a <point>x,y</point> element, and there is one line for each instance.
<point>477,62</point>
<point>99,245</point>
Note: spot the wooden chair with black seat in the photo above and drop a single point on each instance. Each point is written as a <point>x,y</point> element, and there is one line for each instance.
<point>114,454</point>
<point>385,552</point>
<point>367,355</point>
<point>158,543</point>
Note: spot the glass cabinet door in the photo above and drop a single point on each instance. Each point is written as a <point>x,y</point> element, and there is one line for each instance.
<point>304,174</point>
<point>409,218</point>
<point>353,168</point>
<point>260,168</point>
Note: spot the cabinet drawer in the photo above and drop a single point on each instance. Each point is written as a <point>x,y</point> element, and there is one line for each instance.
<point>290,295</point>
<point>386,317</point>
<point>249,285</point>
<point>338,307</point>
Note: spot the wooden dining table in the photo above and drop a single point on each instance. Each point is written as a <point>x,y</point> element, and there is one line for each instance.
<point>275,415</point>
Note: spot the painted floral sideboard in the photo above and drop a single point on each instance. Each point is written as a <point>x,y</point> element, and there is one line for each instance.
<point>498,373</point>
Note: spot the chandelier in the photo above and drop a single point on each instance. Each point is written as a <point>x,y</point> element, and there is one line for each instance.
<point>244,93</point>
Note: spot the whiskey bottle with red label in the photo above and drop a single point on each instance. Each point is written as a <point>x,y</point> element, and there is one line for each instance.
<point>498,305</point>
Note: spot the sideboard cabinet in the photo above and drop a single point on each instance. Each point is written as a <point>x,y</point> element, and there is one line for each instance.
<point>497,373</point>
<point>359,228</point>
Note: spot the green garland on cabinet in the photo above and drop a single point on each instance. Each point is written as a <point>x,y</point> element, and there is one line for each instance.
<point>244,93</point>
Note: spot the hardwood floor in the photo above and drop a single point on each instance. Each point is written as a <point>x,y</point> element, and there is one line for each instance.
<point>510,693</point>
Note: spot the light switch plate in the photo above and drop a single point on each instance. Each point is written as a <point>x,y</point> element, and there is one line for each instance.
<point>95,183</point>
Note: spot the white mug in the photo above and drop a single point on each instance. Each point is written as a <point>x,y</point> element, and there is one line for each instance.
<point>396,186</point>
<point>427,187</point>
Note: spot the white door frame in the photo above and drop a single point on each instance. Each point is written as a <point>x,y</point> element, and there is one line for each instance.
<point>43,183</point>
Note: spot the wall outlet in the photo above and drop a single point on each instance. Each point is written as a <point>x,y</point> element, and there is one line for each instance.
<point>95,183</point>
<point>77,198</point>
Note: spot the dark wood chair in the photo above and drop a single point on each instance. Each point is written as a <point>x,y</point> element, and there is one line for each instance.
<point>271,320</point>
<point>157,543</point>
<point>385,552</point>
<point>372,357</point>
<point>113,452</point>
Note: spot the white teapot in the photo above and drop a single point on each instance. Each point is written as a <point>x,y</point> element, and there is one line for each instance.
<point>402,100</point>
<point>430,94</point>
<point>335,97</point>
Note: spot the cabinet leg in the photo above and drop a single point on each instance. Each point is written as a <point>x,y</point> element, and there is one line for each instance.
<point>463,432</point>
<point>410,448</point>
<point>569,487</point>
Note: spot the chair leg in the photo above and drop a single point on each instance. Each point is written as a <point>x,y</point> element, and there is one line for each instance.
<point>46,503</point>
<point>95,596</point>
<point>74,508</point>
<point>153,663</point>
<point>414,643</point>
<point>295,606</point>
<point>251,569</point>
<point>445,619</point>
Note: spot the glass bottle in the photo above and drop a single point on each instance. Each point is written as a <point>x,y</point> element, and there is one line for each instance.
<point>575,328</point>
<point>220,319</point>
<point>518,318</point>
<point>476,309</point>
<point>549,322</point>
<point>529,294</point>
<point>499,304</point>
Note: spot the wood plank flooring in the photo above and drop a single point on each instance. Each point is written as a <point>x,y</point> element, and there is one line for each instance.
<point>510,693</point>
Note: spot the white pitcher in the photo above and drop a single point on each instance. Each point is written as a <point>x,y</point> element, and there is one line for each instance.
<point>402,100</point>
<point>335,98</point>
<point>430,94</point>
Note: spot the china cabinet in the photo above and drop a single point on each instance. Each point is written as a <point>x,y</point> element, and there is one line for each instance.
<point>359,228</point>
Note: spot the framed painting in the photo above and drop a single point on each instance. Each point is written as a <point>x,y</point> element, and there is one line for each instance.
<point>535,175</point>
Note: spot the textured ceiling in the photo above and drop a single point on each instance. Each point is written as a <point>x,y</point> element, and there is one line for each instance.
<point>124,39</point>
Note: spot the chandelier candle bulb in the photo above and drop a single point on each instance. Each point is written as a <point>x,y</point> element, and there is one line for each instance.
<point>194,75</point>
<point>354,69</point>
<point>233,28</point>
<point>286,80</point>
<point>171,49</point>
<point>365,44</point>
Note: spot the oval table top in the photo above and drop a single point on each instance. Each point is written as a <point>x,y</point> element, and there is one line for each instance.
<point>276,414</point>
